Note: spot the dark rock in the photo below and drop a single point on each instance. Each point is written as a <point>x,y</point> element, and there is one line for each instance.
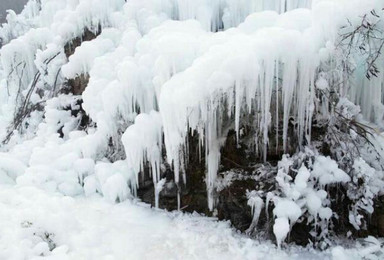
<point>376,223</point>
<point>170,190</point>
<point>78,84</point>
<point>233,206</point>
<point>71,46</point>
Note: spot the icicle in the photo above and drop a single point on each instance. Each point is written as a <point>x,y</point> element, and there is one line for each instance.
<point>143,142</point>
<point>178,200</point>
<point>277,106</point>
<point>302,94</point>
<point>239,89</point>
<point>310,108</point>
<point>266,94</point>
<point>289,84</point>
<point>256,204</point>
<point>158,188</point>
<point>213,156</point>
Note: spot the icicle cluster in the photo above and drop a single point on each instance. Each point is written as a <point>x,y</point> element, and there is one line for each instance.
<point>197,63</point>
<point>143,143</point>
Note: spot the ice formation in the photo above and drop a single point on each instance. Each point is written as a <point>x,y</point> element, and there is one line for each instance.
<point>143,143</point>
<point>256,204</point>
<point>305,194</point>
<point>160,68</point>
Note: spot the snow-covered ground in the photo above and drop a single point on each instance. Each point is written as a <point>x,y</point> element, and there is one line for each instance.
<point>33,222</point>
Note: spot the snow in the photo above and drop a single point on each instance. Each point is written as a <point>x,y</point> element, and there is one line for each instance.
<point>93,228</point>
<point>82,60</point>
<point>11,167</point>
<point>328,171</point>
<point>325,213</point>
<point>281,229</point>
<point>301,179</point>
<point>313,203</point>
<point>52,226</point>
<point>287,209</point>
<point>304,196</point>
<point>115,189</point>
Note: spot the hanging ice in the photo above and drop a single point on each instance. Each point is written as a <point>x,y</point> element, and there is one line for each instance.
<point>196,62</point>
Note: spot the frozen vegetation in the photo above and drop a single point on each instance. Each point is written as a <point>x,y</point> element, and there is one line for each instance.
<point>97,95</point>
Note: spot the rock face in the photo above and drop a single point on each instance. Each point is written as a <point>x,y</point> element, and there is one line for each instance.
<point>71,46</point>
<point>77,85</point>
<point>240,158</point>
<point>233,204</point>
<point>376,225</point>
<point>231,200</point>
<point>193,196</point>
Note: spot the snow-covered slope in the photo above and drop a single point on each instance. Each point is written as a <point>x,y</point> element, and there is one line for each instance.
<point>34,222</point>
